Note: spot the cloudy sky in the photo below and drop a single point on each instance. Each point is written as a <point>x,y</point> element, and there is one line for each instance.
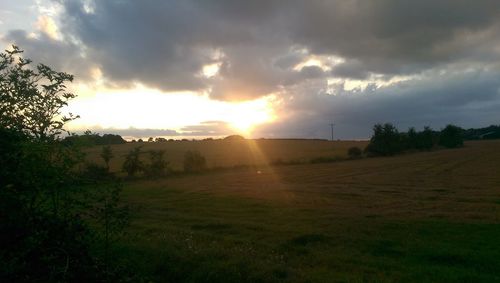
<point>266,68</point>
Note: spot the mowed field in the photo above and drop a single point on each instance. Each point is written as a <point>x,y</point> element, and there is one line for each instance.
<point>232,153</point>
<point>421,217</point>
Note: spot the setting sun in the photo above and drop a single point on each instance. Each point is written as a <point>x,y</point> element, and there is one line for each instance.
<point>246,115</point>
<point>145,108</point>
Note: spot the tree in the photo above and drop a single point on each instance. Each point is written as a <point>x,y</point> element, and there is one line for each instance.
<point>425,139</point>
<point>451,137</point>
<point>385,140</point>
<point>157,165</point>
<point>45,231</point>
<point>106,155</point>
<point>194,162</point>
<point>132,164</point>
<point>31,99</point>
<point>411,137</point>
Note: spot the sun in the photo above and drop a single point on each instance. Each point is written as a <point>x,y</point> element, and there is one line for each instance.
<point>145,108</point>
<point>243,125</point>
<point>245,116</point>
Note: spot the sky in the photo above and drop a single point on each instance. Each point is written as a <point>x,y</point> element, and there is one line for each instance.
<point>266,68</point>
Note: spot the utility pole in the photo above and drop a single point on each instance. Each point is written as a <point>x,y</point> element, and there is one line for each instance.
<point>331,126</point>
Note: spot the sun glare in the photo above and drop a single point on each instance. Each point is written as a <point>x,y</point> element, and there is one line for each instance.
<point>144,108</point>
<point>245,116</point>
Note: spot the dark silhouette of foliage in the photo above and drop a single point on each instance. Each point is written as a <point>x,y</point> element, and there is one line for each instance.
<point>451,137</point>
<point>133,164</point>
<point>354,152</point>
<point>385,141</point>
<point>490,132</point>
<point>95,173</point>
<point>425,139</point>
<point>157,166</point>
<point>91,139</point>
<point>411,139</point>
<point>31,99</point>
<point>106,155</point>
<point>194,162</point>
<point>45,233</point>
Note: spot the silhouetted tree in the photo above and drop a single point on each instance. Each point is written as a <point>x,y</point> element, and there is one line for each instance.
<point>425,139</point>
<point>385,141</point>
<point>106,155</point>
<point>133,164</point>
<point>157,165</point>
<point>31,99</point>
<point>45,231</point>
<point>194,162</point>
<point>411,138</point>
<point>451,137</point>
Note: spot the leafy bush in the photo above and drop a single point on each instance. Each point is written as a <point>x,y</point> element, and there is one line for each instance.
<point>425,139</point>
<point>354,152</point>
<point>385,141</point>
<point>194,162</point>
<point>132,164</point>
<point>45,231</point>
<point>106,155</point>
<point>451,137</point>
<point>157,166</point>
<point>93,172</point>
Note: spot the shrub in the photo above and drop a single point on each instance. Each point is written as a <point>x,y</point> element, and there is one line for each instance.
<point>106,155</point>
<point>354,152</point>
<point>451,137</point>
<point>385,141</point>
<point>93,172</point>
<point>411,138</point>
<point>46,233</point>
<point>425,139</point>
<point>194,162</point>
<point>132,164</point>
<point>157,165</point>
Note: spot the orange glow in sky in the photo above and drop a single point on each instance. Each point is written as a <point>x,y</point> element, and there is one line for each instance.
<point>145,108</point>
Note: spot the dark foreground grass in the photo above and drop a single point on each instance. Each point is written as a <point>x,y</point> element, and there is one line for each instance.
<point>427,217</point>
<point>180,236</point>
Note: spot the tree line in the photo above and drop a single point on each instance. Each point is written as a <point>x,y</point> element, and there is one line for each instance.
<point>387,140</point>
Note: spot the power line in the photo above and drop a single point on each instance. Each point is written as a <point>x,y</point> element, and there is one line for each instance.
<point>331,126</point>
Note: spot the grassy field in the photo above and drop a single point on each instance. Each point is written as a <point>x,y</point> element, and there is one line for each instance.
<point>422,217</point>
<point>231,153</point>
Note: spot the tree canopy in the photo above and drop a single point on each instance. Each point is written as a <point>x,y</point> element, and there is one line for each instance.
<point>31,99</point>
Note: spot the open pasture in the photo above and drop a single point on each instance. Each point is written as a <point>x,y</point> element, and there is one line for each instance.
<point>423,217</point>
<point>231,153</point>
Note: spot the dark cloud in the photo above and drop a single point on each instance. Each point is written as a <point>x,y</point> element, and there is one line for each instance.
<point>60,55</point>
<point>258,45</point>
<point>165,44</point>
<point>392,36</point>
<point>469,100</point>
<point>350,69</point>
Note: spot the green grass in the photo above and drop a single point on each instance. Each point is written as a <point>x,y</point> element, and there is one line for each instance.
<point>430,217</point>
<point>202,238</point>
